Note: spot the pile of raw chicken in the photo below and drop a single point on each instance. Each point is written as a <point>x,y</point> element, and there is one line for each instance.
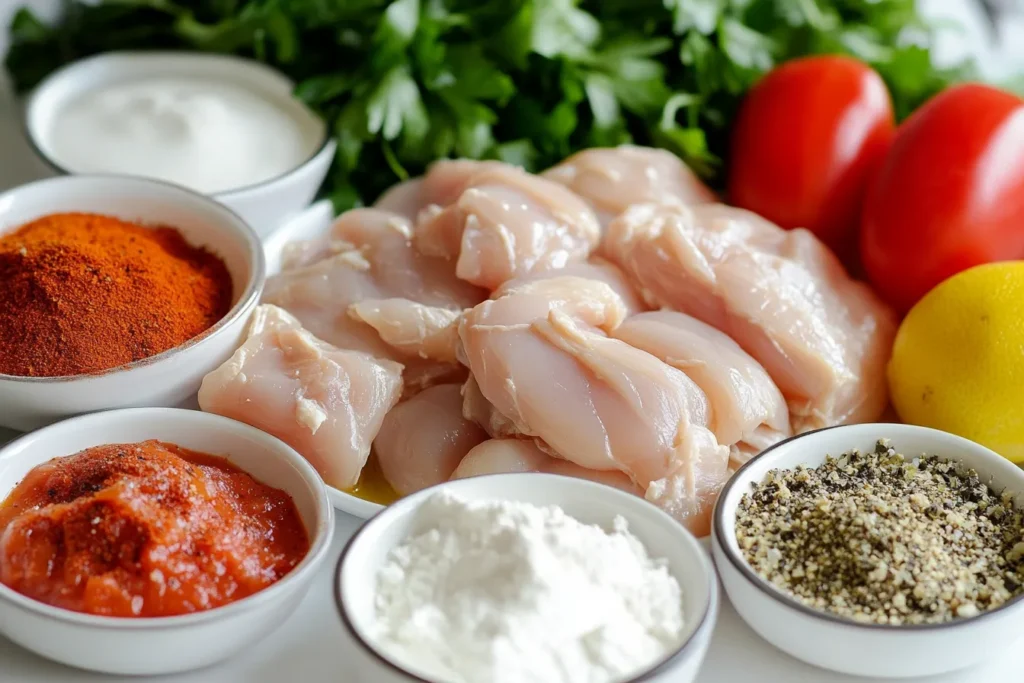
<point>605,319</point>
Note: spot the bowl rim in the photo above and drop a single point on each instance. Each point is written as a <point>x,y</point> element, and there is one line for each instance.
<point>320,213</point>
<point>367,509</point>
<point>776,594</point>
<point>657,668</point>
<point>33,136</point>
<point>249,296</point>
<point>321,534</point>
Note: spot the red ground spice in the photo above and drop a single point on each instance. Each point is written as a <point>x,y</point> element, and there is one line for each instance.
<point>84,293</point>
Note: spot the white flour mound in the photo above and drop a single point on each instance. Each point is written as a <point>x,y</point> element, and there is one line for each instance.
<point>515,593</point>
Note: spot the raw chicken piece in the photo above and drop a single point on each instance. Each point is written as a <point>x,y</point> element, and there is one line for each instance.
<point>598,269</point>
<point>477,408</point>
<point>326,403</point>
<point>426,332</point>
<point>503,456</point>
<point>748,412</point>
<point>403,199</point>
<point>424,439</point>
<point>319,296</point>
<point>742,453</point>
<point>376,259</point>
<point>447,179</point>
<point>354,234</point>
<point>508,223</point>
<point>781,294</point>
<point>373,259</point>
<point>612,179</point>
<point>540,355</point>
<point>443,183</point>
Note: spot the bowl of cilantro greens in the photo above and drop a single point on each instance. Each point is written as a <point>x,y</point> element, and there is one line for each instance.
<point>401,83</point>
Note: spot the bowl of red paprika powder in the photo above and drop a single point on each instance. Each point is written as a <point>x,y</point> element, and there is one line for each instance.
<point>117,292</point>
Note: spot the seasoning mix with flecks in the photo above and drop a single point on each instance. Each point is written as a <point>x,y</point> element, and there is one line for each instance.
<point>882,538</point>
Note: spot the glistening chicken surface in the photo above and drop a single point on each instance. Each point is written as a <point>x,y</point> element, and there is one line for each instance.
<point>481,320</point>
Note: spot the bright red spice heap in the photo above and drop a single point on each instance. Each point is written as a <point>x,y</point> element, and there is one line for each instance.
<point>145,530</point>
<point>81,293</point>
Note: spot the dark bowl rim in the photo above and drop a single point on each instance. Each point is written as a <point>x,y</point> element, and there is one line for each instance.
<point>718,537</point>
<point>684,649</point>
<point>251,292</point>
<point>31,135</point>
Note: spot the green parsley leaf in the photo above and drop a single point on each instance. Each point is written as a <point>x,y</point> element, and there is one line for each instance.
<point>403,82</point>
<point>396,107</point>
<point>700,15</point>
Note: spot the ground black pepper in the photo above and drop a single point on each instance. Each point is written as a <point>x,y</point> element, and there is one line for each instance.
<point>880,538</point>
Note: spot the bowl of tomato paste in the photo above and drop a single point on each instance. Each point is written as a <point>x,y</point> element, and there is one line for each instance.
<point>154,540</point>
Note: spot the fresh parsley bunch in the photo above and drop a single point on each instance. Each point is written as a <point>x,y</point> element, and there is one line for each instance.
<point>404,82</point>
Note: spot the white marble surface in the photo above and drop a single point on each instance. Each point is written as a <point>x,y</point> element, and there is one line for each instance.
<point>309,647</point>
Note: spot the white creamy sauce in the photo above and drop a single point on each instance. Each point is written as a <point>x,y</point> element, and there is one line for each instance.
<point>209,135</point>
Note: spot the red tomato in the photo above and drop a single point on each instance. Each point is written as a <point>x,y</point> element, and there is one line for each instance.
<point>805,141</point>
<point>950,194</point>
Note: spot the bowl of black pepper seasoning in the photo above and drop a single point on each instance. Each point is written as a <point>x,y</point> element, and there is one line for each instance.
<point>879,550</point>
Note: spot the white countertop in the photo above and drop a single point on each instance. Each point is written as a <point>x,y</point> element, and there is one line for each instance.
<point>307,648</point>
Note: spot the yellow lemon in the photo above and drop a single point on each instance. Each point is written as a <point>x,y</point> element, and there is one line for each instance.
<point>958,358</point>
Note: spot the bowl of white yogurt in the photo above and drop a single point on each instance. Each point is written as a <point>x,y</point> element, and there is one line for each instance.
<point>224,126</point>
<point>537,577</point>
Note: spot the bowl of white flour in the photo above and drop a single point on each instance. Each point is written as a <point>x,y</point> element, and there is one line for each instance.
<point>525,578</point>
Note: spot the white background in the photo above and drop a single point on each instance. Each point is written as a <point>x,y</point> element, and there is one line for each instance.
<point>309,647</point>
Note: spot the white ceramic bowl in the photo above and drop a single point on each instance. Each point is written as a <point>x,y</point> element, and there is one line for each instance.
<point>310,224</point>
<point>359,508</point>
<point>168,644</point>
<point>265,206</point>
<point>169,378</point>
<point>828,641</point>
<point>585,500</point>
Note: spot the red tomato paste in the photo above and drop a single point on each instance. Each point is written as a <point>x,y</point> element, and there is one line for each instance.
<point>145,530</point>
